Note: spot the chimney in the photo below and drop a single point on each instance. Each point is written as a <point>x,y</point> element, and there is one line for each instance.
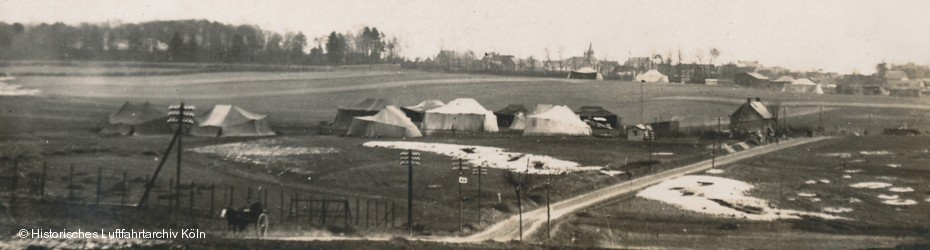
<point>758,99</point>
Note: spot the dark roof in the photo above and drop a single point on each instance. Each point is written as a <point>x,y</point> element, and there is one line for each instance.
<point>512,109</point>
<point>370,104</point>
<point>593,111</point>
<point>757,75</point>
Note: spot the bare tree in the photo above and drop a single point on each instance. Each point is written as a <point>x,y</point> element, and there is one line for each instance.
<point>714,53</point>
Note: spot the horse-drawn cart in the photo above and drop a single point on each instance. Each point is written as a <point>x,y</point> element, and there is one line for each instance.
<point>239,220</point>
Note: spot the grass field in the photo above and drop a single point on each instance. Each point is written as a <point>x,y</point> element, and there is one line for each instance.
<point>58,127</point>
<point>781,178</point>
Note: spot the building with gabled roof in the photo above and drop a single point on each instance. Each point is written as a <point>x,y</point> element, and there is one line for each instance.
<point>752,116</point>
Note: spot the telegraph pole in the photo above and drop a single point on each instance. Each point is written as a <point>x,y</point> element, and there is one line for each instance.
<point>548,209</point>
<point>459,164</point>
<point>479,171</point>
<point>410,158</point>
<point>181,115</point>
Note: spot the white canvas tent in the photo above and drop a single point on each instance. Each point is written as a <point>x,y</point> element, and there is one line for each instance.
<point>136,119</point>
<point>389,122</point>
<point>462,114</point>
<point>416,112</point>
<point>803,85</point>
<point>225,120</point>
<point>558,120</point>
<point>652,76</point>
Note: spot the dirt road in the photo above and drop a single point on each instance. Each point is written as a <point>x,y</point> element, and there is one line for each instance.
<point>533,220</point>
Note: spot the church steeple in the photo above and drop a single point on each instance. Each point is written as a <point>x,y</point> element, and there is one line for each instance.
<point>590,53</point>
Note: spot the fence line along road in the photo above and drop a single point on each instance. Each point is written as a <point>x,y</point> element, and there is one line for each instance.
<point>508,229</point>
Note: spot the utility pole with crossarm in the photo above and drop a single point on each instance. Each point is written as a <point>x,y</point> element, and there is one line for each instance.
<point>410,158</point>
<point>479,171</point>
<point>460,165</point>
<point>181,115</point>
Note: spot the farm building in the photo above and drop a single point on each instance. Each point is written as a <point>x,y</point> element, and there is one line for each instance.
<point>652,76</point>
<point>136,119</point>
<point>639,132</point>
<point>462,114</point>
<point>225,120</point>
<point>752,116</point>
<point>558,120</point>
<point>784,80</point>
<point>664,129</point>
<point>506,116</point>
<point>416,112</point>
<point>389,122</point>
<point>600,116</point>
<point>368,107</point>
<point>751,80</point>
<point>585,73</point>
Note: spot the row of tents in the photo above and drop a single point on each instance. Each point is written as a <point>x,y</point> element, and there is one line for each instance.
<point>379,118</point>
<point>220,121</point>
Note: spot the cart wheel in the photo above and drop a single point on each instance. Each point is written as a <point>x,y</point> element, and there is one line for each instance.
<point>262,225</point>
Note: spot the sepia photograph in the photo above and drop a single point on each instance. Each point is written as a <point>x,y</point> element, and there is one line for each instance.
<point>454,124</point>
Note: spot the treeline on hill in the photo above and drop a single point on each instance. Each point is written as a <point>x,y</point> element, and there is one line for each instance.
<point>193,41</point>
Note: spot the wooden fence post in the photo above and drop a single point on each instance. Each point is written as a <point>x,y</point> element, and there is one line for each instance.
<point>122,199</point>
<point>71,183</point>
<point>191,212</point>
<point>99,179</point>
<point>212,190</point>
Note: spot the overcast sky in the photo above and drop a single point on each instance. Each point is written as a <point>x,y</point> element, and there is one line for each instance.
<point>840,36</point>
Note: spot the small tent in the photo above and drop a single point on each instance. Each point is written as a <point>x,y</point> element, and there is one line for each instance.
<point>592,113</point>
<point>519,122</point>
<point>559,120</point>
<point>506,116</point>
<point>639,132</point>
<point>390,122</point>
<point>416,112</point>
<point>368,107</point>
<point>136,119</point>
<point>652,76</point>
<point>225,120</point>
<point>585,73</point>
<point>784,79</point>
<point>462,114</point>
<point>793,88</point>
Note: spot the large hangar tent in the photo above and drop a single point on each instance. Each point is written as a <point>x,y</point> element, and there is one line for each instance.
<point>598,113</point>
<point>559,120</point>
<point>416,112</point>
<point>506,116</point>
<point>225,120</point>
<point>390,122</point>
<point>136,119</point>
<point>585,73</point>
<point>462,114</point>
<point>368,107</point>
<point>652,76</point>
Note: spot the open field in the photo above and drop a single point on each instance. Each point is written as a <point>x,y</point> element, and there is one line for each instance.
<point>57,126</point>
<point>805,178</point>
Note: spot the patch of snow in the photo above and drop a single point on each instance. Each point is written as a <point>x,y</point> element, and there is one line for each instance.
<point>810,182</point>
<point>16,90</point>
<point>853,171</point>
<point>846,176</point>
<point>888,197</point>
<point>663,153</point>
<point>259,152</point>
<point>856,160</point>
<point>807,194</point>
<point>892,165</point>
<point>489,156</point>
<point>719,196</point>
<point>871,185</point>
<point>825,181</point>
<point>887,178</point>
<point>907,202</point>
<point>714,171</point>
<point>854,200</point>
<point>837,210</point>
<point>612,172</point>
<point>837,155</point>
<point>875,153</point>
<point>901,189</point>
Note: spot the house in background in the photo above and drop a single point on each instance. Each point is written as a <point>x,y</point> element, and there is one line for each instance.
<point>639,132</point>
<point>751,117</point>
<point>751,80</point>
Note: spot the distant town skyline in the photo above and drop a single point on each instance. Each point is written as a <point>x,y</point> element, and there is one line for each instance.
<point>837,36</point>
